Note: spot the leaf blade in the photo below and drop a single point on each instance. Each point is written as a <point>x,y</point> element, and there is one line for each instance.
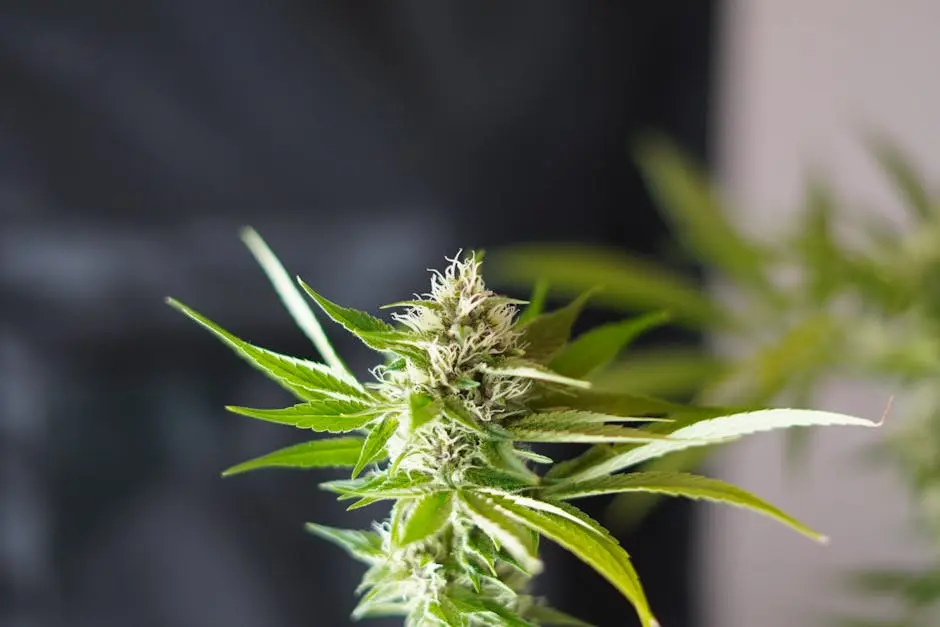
<point>597,348</point>
<point>324,453</point>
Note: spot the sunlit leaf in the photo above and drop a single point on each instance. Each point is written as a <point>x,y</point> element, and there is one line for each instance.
<point>677,484</point>
<point>325,453</point>
<point>330,415</point>
<point>429,515</point>
<point>373,449</point>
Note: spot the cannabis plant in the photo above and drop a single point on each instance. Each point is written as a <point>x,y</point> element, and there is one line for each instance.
<point>443,430</point>
<point>844,294</point>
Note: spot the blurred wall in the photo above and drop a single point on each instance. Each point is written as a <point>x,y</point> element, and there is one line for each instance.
<point>799,78</point>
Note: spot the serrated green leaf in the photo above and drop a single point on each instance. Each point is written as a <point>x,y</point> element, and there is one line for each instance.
<point>550,617</point>
<point>698,432</point>
<point>482,605</point>
<point>495,478</point>
<point>690,200</point>
<point>363,545</point>
<point>325,453</point>
<point>334,416</point>
<point>501,530</point>
<point>532,456</point>
<point>678,484</point>
<point>597,348</point>
<point>628,282</point>
<point>447,613</point>
<point>306,379</point>
<point>359,323</point>
<point>383,487</point>
<point>529,370</point>
<point>374,447</point>
<point>536,302</point>
<point>545,334</point>
<point>598,550</point>
<point>429,516</point>
<point>423,408</point>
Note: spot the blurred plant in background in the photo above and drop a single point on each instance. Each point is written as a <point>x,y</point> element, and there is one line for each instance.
<point>845,294</point>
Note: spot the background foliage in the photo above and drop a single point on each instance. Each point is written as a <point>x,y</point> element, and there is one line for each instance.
<point>845,293</point>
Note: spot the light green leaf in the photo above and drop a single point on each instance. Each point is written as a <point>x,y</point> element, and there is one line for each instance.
<point>356,322</point>
<point>696,432</point>
<point>447,613</point>
<point>677,484</point>
<point>428,304</point>
<point>454,409</point>
<point>597,348</point>
<point>574,431</point>
<point>424,408</point>
<point>575,417</point>
<point>494,478</point>
<point>374,447</point>
<point>329,415</point>
<point>307,379</point>
<point>383,487</point>
<point>482,605</point>
<point>429,516</point>
<point>628,283</point>
<point>598,550</point>
<point>363,545</point>
<point>292,298</point>
<point>503,531</point>
<point>526,370</point>
<point>536,302</point>
<point>545,334</point>
<point>686,194</point>
<point>325,453</point>
<point>532,456</point>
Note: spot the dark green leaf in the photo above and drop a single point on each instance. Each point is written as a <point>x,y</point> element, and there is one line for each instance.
<point>530,370</point>
<point>550,617</point>
<point>544,335</point>
<point>374,447</point>
<point>493,478</point>
<point>628,283</point>
<point>330,415</point>
<point>308,380</point>
<point>561,432</point>
<point>598,347</point>
<point>536,302</point>
<point>429,516</point>
<point>325,453</point>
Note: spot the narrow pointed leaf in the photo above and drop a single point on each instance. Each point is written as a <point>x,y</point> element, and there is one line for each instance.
<point>718,430</point>
<point>502,530</point>
<point>325,453</point>
<point>597,348</point>
<point>374,447</point>
<point>580,432</point>
<point>332,416</point>
<point>536,302</point>
<point>292,298</point>
<point>363,545</point>
<point>356,322</point>
<point>685,192</point>
<point>628,282</point>
<point>308,380</point>
<point>429,515</point>
<point>678,484</point>
<point>905,177</point>
<point>534,371</point>
<point>618,404</point>
<point>600,551</point>
<point>544,335</point>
